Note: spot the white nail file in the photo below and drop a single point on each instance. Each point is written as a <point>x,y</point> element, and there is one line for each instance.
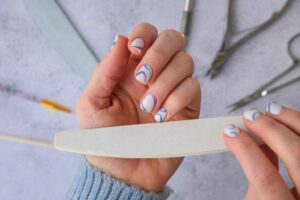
<point>155,140</point>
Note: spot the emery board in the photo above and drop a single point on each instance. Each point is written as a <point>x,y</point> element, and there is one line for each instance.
<point>62,35</point>
<point>155,140</point>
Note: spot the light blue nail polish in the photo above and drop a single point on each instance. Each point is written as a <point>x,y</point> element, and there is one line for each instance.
<point>274,108</point>
<point>148,103</point>
<point>231,130</point>
<point>252,114</point>
<point>144,74</point>
<point>138,44</point>
<point>161,115</point>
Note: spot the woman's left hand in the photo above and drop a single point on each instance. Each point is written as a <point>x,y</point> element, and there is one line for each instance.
<point>279,128</point>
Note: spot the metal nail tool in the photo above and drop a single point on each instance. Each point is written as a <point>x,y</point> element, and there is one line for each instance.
<point>267,87</point>
<point>186,19</point>
<point>226,51</point>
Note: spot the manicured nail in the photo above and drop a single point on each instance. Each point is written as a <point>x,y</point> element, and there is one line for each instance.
<point>138,44</point>
<point>274,108</point>
<point>231,130</point>
<point>252,114</point>
<point>144,74</point>
<point>160,115</point>
<point>148,103</point>
<point>115,41</point>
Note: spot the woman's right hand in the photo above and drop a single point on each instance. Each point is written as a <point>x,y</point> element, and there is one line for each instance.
<point>279,128</point>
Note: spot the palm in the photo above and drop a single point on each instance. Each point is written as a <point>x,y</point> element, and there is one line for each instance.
<point>151,174</point>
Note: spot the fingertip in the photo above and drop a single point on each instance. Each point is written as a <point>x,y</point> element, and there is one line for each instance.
<point>141,38</point>
<point>119,41</point>
<point>231,130</point>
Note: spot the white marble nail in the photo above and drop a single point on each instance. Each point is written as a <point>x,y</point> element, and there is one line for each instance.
<point>138,44</point>
<point>148,103</point>
<point>115,41</point>
<point>252,114</point>
<point>231,130</point>
<point>161,115</point>
<point>274,108</point>
<point>144,74</point>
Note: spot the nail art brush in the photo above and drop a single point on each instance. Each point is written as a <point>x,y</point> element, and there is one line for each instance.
<point>155,140</point>
<point>42,102</point>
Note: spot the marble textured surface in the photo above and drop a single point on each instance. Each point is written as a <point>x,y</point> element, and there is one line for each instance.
<point>29,62</point>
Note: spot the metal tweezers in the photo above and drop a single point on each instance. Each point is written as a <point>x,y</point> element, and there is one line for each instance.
<point>225,52</point>
<point>266,88</point>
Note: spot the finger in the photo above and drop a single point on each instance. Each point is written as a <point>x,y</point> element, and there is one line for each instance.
<point>283,141</point>
<point>251,193</point>
<point>295,193</point>
<point>141,38</point>
<point>108,73</point>
<point>286,116</point>
<point>185,96</point>
<point>167,44</point>
<point>179,68</point>
<point>260,172</point>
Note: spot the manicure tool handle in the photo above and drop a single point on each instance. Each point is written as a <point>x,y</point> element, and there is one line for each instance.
<point>156,140</point>
<point>186,18</point>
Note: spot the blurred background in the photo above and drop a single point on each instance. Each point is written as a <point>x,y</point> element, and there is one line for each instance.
<point>29,62</point>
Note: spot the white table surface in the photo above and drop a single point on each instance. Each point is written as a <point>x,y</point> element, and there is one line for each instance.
<point>29,62</point>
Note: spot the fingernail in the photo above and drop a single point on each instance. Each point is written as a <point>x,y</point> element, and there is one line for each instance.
<point>138,44</point>
<point>252,114</point>
<point>231,130</point>
<point>115,41</point>
<point>274,108</point>
<point>144,74</point>
<point>160,115</point>
<point>148,103</point>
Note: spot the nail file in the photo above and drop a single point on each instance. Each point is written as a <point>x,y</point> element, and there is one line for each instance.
<point>155,140</point>
<point>63,36</point>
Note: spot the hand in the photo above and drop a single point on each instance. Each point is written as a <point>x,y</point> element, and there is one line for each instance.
<point>280,130</point>
<point>144,79</point>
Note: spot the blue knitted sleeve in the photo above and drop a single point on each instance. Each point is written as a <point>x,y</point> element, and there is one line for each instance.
<point>92,184</point>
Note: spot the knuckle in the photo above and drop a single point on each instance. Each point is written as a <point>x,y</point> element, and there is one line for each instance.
<point>265,177</point>
<point>192,83</point>
<point>295,154</point>
<point>86,103</point>
<point>270,123</point>
<point>247,144</point>
<point>146,26</point>
<point>186,58</point>
<point>173,34</point>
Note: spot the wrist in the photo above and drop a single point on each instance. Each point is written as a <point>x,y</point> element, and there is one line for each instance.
<point>127,171</point>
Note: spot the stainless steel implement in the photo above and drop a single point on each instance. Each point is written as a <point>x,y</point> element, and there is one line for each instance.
<point>63,36</point>
<point>226,51</point>
<point>282,80</point>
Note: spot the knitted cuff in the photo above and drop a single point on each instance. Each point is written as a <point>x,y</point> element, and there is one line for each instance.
<point>93,184</point>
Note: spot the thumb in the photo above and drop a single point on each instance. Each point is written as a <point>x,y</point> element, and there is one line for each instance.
<point>108,73</point>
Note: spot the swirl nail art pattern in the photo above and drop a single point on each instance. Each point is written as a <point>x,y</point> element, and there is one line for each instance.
<point>231,130</point>
<point>148,103</point>
<point>252,114</point>
<point>160,115</point>
<point>144,74</point>
<point>274,108</point>
<point>138,44</point>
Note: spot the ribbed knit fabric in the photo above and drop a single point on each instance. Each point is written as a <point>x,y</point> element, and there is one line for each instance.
<point>92,184</point>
